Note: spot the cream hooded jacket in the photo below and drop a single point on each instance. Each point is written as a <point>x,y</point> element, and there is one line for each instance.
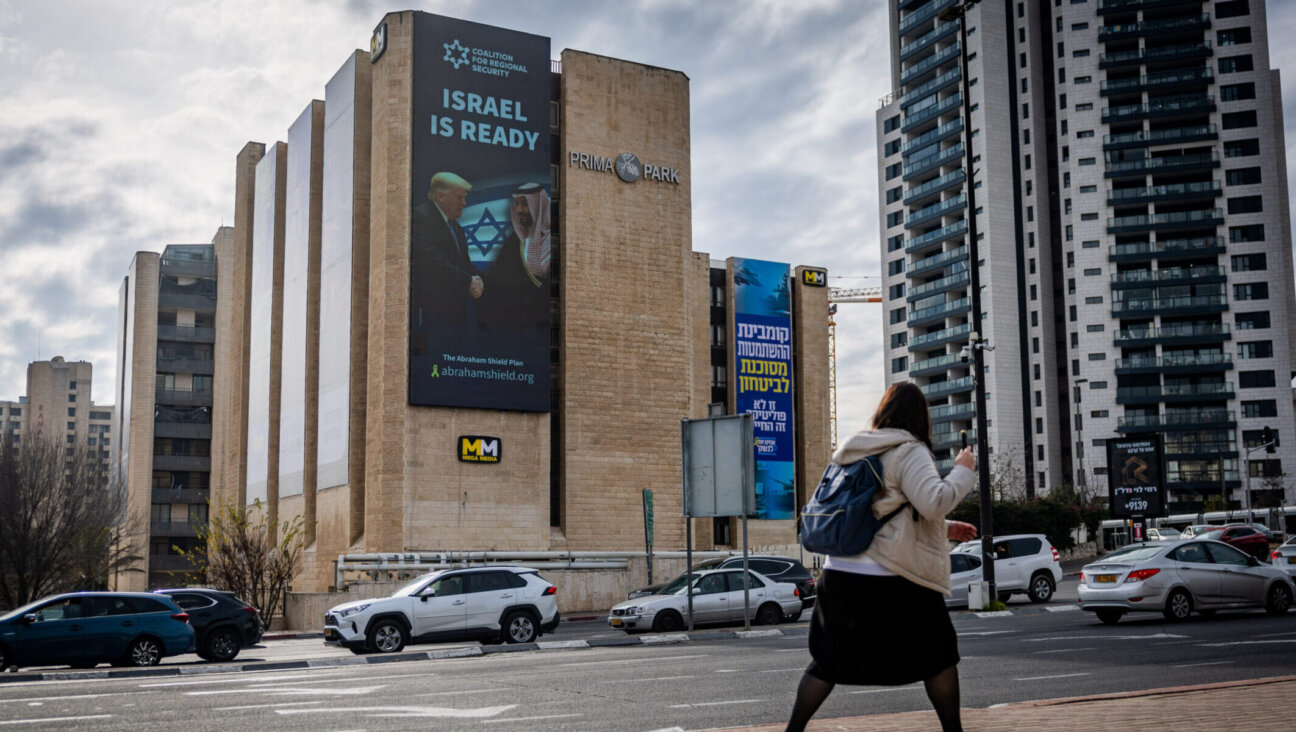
<point>913,543</point>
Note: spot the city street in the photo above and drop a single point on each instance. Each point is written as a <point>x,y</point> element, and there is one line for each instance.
<point>695,684</point>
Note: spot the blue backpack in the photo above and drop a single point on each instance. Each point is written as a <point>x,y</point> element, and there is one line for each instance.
<point>838,520</point>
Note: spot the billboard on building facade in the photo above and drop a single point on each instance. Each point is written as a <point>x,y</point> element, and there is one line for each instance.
<point>480,240</point>
<point>763,368</point>
<point>1136,480</point>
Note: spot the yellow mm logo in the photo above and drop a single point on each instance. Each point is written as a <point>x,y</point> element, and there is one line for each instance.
<point>814,277</point>
<point>474,449</point>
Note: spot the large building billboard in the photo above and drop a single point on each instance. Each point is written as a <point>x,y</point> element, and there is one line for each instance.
<point>480,227</point>
<point>763,367</point>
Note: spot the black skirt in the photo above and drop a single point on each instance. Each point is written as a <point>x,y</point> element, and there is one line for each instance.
<point>879,631</point>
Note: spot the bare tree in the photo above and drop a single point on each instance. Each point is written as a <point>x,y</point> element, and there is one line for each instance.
<point>63,521</point>
<point>1008,474</point>
<point>240,550</point>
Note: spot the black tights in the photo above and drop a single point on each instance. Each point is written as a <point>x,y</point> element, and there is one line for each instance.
<point>942,690</point>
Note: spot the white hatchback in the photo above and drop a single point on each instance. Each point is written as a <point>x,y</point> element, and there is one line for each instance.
<point>1024,563</point>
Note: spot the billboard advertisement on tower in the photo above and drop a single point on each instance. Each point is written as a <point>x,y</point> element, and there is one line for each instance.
<point>480,230</point>
<point>763,366</point>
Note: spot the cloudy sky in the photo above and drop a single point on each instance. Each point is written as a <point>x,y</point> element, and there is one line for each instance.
<point>120,122</point>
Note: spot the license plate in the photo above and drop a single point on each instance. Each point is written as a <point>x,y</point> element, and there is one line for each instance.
<point>616,622</point>
<point>1104,578</point>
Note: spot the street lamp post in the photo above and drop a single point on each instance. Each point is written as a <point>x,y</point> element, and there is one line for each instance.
<point>976,342</point>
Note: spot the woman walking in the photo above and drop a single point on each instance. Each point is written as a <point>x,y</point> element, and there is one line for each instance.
<point>880,616</point>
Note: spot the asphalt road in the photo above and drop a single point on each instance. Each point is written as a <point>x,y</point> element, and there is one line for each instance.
<point>686,685</point>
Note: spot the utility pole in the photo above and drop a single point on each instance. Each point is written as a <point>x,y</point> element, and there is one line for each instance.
<point>976,341</point>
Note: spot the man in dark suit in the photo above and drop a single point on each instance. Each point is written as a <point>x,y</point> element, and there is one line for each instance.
<point>443,281</point>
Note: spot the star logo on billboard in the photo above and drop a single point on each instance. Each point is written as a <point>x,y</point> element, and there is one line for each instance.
<point>451,50</point>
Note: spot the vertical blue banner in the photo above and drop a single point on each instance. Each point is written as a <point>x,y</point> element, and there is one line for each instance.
<point>763,366</point>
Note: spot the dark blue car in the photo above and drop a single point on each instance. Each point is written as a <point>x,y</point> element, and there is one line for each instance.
<point>83,629</point>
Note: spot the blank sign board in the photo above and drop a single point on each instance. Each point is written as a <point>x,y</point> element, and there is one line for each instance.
<point>719,466</point>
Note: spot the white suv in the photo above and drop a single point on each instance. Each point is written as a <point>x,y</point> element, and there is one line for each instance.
<point>488,604</point>
<point>1023,563</point>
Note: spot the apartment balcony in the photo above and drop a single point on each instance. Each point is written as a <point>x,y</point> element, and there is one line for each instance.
<point>1207,480</point>
<point>182,462</point>
<point>1190,105</point>
<point>1207,362</point>
<point>1195,419</point>
<point>1193,448</point>
<point>1158,28</point>
<point>182,365</point>
<point>181,430</point>
<point>1204,246</point>
<point>938,389</point>
<point>1160,222</point>
<point>935,365</point>
<point>937,262</point>
<point>905,4</point>
<point>940,337</point>
<point>1183,305</point>
<point>187,267</point>
<point>952,438</point>
<point>181,495</point>
<point>927,190</point>
<point>1134,57</point>
<point>169,563</point>
<point>186,301</point>
<point>930,64</point>
<point>1162,165</point>
<point>1199,78</point>
<point>927,114</point>
<point>173,528</point>
<point>1172,335</point>
<point>1206,190</point>
<point>952,412</point>
<point>939,312</point>
<point>186,333</point>
<point>925,41</point>
<point>922,91</point>
<point>1146,138</point>
<point>955,281</point>
<point>917,167</point>
<point>932,136</point>
<point>183,397</point>
<point>923,15</point>
<point>1173,393</point>
<point>930,239</point>
<point>1125,6</point>
<point>1167,276</point>
<point>935,211</point>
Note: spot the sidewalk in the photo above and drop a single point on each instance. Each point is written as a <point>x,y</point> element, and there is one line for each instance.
<point>1234,705</point>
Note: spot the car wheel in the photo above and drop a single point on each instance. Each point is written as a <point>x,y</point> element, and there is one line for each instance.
<point>1178,606</point>
<point>1279,600</point>
<point>222,644</point>
<point>769,614</point>
<point>794,617</point>
<point>144,652</point>
<point>1041,587</point>
<point>520,627</point>
<point>387,636</point>
<point>668,621</point>
<point>1109,616</point>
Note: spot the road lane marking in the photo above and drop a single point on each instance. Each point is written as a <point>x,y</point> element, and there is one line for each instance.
<point>985,632</point>
<point>632,660</point>
<point>1205,663</point>
<point>1061,608</point>
<point>71,696</point>
<point>244,678</point>
<point>1065,650</point>
<point>1055,676</point>
<point>529,719</point>
<point>782,670</point>
<point>1103,637</point>
<point>907,687</point>
<point>48,720</point>
<point>668,678</point>
<point>1246,643</point>
<point>275,705</point>
<point>291,691</point>
<point>716,704</point>
<point>408,711</point>
<point>1273,635</point>
<point>470,691</point>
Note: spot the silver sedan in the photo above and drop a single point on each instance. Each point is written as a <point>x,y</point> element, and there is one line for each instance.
<point>717,599</point>
<point>1284,557</point>
<point>1180,577</point>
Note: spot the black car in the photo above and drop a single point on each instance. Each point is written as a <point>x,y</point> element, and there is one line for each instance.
<point>224,624</point>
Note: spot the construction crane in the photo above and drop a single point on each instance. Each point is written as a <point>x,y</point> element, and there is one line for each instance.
<point>836,296</point>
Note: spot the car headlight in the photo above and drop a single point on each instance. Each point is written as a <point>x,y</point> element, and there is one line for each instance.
<point>353,610</point>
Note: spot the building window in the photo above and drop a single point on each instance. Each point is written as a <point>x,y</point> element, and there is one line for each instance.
<point>1254,438</point>
<point>897,316</point>
<point>1260,408</point>
<point>1242,148</point>
<point>1245,204</point>
<point>1237,120</point>
<point>892,147</point>
<point>894,170</point>
<point>899,365</point>
<point>1084,107</point>
<point>895,218</point>
<point>1097,357</point>
<point>1233,36</point>
<point>1255,349</point>
<point>1255,379</point>
<point>1252,321</point>
<point>900,339</point>
<point>1250,232</point>
<point>1097,385</point>
<point>895,267</point>
<point>895,292</point>
<point>891,124</point>
<point>1232,9</point>
<point>1095,328</point>
<point>1242,176</point>
<point>1248,262</point>
<point>1092,271</point>
<point>1251,291</point>
<point>71,411</point>
<point>1237,92</point>
<point>895,242</point>
<point>1235,64</point>
<point>1080,53</point>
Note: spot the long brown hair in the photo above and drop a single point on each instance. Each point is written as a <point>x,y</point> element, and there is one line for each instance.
<point>904,407</point>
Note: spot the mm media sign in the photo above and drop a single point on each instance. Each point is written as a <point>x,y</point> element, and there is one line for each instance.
<point>480,449</point>
<point>1135,477</point>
